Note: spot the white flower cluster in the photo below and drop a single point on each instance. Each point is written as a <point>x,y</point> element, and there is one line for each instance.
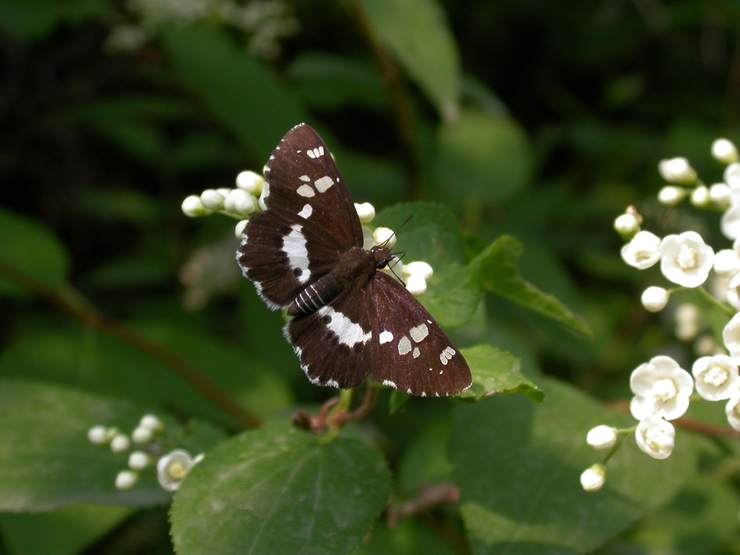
<point>662,390</point>
<point>249,197</point>
<point>147,438</point>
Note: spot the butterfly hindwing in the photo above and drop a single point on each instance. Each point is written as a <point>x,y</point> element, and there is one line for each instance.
<point>378,329</point>
<point>310,220</point>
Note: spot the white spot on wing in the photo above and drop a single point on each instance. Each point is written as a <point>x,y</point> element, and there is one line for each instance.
<point>348,332</point>
<point>389,383</point>
<point>317,152</point>
<point>333,383</point>
<point>416,352</point>
<point>305,191</point>
<point>446,355</point>
<point>404,346</point>
<point>323,184</point>
<point>306,211</point>
<point>419,333</point>
<point>294,245</point>
<point>385,337</point>
<point>304,178</point>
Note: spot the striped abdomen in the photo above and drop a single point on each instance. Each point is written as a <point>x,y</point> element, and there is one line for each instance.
<point>314,296</point>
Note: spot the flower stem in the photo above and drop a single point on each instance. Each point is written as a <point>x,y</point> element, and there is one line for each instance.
<point>711,299</point>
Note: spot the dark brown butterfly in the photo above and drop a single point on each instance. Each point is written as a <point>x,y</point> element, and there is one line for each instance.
<point>350,320</point>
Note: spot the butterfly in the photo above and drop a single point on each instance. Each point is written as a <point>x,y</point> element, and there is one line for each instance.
<point>305,253</point>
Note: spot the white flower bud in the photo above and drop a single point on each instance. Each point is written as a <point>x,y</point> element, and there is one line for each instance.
<point>126,479</point>
<point>670,195</point>
<point>593,478</point>
<point>700,196</point>
<point>263,196</point>
<point>138,460</point>
<point>193,207</point>
<point>250,182</point>
<point>732,410</point>
<point>98,435</point>
<point>731,336</point>
<point>152,422</point>
<point>416,284</point>
<point>239,228</point>
<point>677,170</point>
<point>732,175</point>
<point>240,203</point>
<point>384,236</point>
<point>720,194</point>
<point>626,225</point>
<point>654,298</point>
<point>365,211</point>
<point>724,151</point>
<point>706,345</point>
<point>418,267</point>
<point>120,443</point>
<point>173,468</point>
<point>212,199</point>
<point>726,262</point>
<point>142,434</point>
<point>602,437</point>
<point>655,437</point>
<point>223,191</point>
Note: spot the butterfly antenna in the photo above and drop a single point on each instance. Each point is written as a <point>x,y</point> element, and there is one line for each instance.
<point>392,235</point>
<point>396,275</point>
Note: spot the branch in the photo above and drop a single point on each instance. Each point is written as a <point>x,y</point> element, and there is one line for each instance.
<point>403,115</point>
<point>332,416</point>
<point>428,499</point>
<point>74,305</point>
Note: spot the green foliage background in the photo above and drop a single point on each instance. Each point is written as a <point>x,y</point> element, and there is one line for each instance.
<point>513,131</point>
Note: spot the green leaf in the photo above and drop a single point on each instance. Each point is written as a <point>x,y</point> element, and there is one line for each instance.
<point>408,538</point>
<point>46,460</point>
<point>497,271</point>
<point>425,460</point>
<point>416,32</point>
<point>518,466</point>
<point>280,491</point>
<point>238,89</point>
<point>489,154</point>
<point>696,522</point>
<point>34,252</point>
<point>396,400</point>
<point>497,372</point>
<point>64,532</point>
<point>433,235</point>
<point>34,19</point>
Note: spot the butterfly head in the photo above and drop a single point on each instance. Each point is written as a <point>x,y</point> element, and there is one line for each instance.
<point>382,256</point>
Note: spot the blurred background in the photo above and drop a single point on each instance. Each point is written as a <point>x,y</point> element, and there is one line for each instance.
<point>543,120</point>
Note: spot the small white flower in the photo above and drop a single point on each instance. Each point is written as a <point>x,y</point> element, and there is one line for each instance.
<point>687,321</point>
<point>655,437</point>
<point>240,203</point>
<point>677,170</point>
<point>142,434</point>
<point>724,151</point>
<point>731,335</point>
<point>250,182</point>
<point>720,194</point>
<point>173,468</point>
<point>418,267</point>
<point>601,437</point>
<point>643,251</point>
<point>726,262</point>
<point>239,228</point>
<point>365,211</point>
<point>685,259</point>
<point>212,199</point>
<point>120,443</point>
<point>670,195</point>
<point>193,207</point>
<point>152,422</point>
<point>715,377</point>
<point>732,292</point>
<point>138,460</point>
<point>654,298</point>
<point>626,225</point>
<point>661,387</point>
<point>730,222</point>
<point>732,175</point>
<point>416,284</point>
<point>593,478</point>
<point>98,435</point>
<point>732,410</point>
<point>384,236</point>
<point>126,479</point>
<point>700,196</point>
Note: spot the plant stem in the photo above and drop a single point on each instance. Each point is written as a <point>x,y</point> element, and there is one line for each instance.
<point>711,299</point>
<point>428,498</point>
<point>74,304</point>
<point>402,112</point>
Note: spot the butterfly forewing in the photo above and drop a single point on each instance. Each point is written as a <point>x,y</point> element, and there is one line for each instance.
<point>310,220</point>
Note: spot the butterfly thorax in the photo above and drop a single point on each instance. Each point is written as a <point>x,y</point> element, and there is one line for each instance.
<point>354,268</point>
